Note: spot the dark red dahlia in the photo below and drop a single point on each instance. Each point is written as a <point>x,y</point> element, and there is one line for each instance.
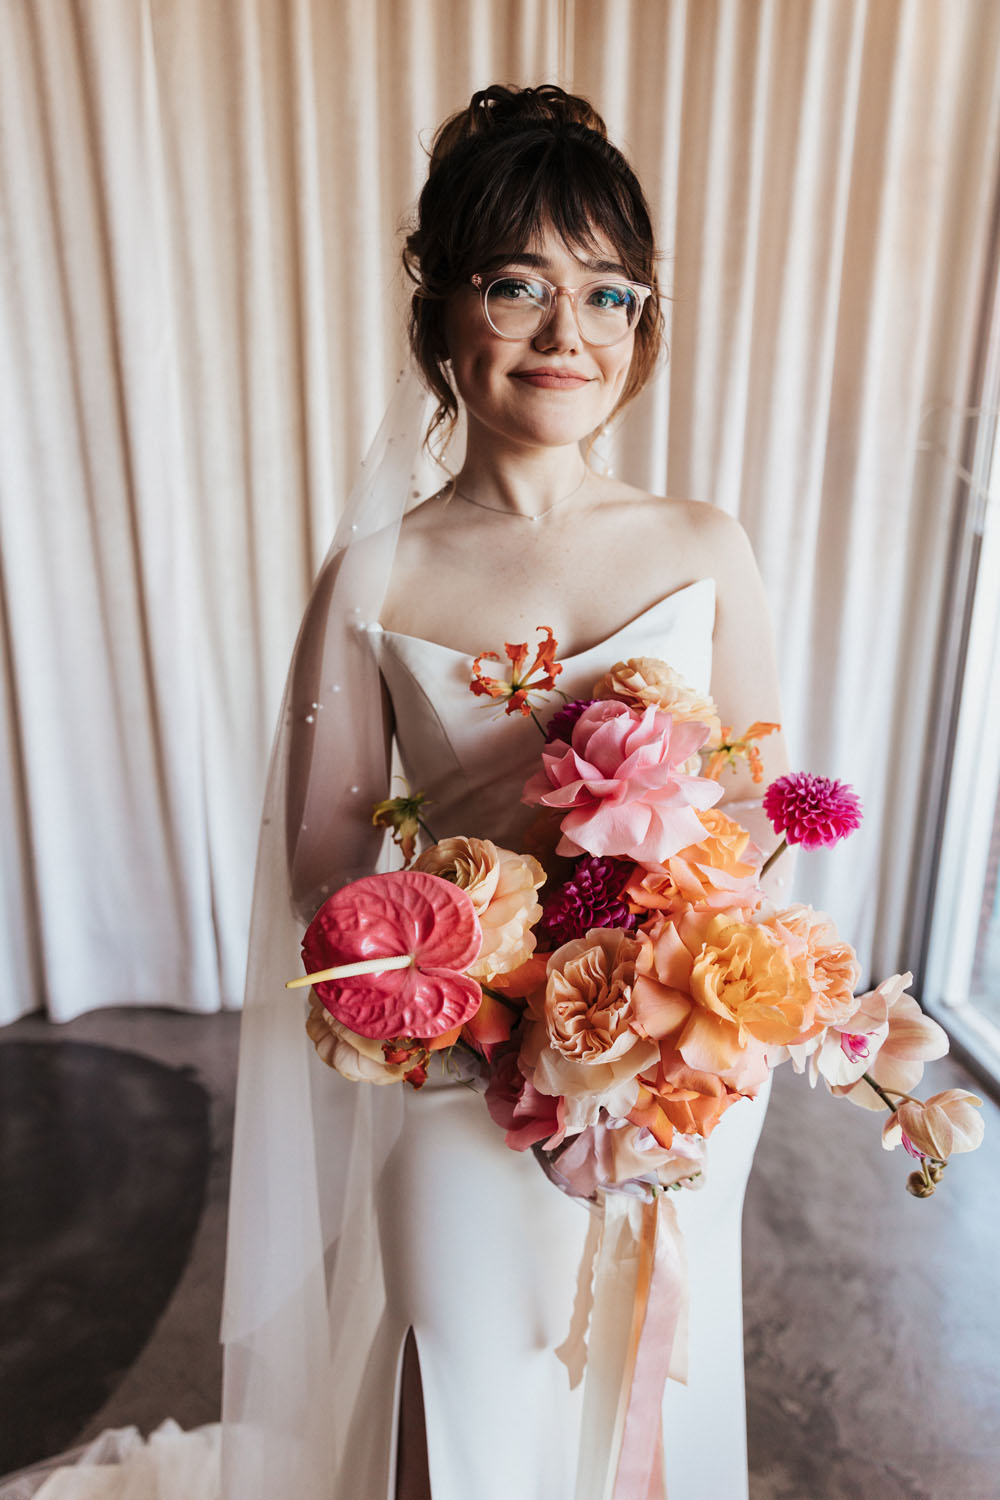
<point>562,723</point>
<point>593,897</point>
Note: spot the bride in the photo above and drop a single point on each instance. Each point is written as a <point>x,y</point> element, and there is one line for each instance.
<point>451,1264</point>
<point>401,1287</point>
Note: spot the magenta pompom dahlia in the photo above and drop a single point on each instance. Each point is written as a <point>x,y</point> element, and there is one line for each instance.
<point>812,810</point>
<point>593,897</point>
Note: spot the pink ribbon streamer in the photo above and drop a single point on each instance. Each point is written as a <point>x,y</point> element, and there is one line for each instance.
<point>637,1338</point>
<point>661,1292</point>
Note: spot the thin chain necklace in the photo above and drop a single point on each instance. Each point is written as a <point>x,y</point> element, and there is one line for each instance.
<point>517,515</point>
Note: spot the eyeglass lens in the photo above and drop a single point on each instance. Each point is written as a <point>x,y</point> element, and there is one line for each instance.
<point>518,307</point>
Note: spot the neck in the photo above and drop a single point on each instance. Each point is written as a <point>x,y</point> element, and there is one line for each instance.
<point>526,481</point>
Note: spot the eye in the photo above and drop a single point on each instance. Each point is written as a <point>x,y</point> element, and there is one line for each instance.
<point>517,289</point>
<point>611,296</point>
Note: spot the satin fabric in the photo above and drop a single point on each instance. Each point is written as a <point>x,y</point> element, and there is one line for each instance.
<point>481,1255</point>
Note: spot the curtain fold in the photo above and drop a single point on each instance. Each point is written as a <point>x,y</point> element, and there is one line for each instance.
<point>201,316</point>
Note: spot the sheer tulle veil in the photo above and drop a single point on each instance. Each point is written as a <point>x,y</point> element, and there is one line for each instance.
<point>303,1303</point>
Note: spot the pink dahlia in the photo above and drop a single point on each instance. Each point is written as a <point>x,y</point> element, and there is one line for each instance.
<point>620,786</point>
<point>812,810</point>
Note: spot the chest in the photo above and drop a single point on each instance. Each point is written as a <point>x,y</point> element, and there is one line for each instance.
<point>485,583</point>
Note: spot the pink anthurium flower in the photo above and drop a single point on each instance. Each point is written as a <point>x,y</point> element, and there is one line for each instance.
<point>402,913</point>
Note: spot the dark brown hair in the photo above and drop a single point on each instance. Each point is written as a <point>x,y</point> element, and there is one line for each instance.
<point>512,163</point>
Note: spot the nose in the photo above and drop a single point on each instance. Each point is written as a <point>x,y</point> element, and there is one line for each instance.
<point>560,330</point>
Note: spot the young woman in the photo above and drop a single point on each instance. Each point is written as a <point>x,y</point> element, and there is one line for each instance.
<point>536,313</point>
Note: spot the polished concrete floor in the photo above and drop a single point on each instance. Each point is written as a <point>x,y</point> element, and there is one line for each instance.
<point>872,1319</point>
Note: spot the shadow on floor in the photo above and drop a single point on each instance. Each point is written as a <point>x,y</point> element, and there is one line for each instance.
<point>103,1163</point>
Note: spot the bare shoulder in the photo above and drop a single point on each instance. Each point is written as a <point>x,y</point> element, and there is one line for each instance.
<point>704,523</point>
<point>422,531</point>
<point>712,541</point>
<point>425,517</point>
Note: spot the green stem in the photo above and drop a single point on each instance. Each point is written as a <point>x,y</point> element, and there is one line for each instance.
<point>769,861</point>
<point>423,826</point>
<point>541,727</point>
<point>504,999</point>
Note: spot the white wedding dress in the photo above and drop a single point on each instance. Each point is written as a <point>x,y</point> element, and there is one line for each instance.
<point>477,1251</point>
<point>481,1252</point>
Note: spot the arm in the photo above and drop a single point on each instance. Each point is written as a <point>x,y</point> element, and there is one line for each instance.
<point>744,673</point>
<point>745,683</point>
<point>339,725</point>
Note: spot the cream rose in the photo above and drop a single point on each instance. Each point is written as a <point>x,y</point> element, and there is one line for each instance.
<point>501,886</point>
<point>643,681</point>
<point>358,1058</point>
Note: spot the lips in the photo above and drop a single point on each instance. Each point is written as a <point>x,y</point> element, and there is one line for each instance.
<point>552,380</point>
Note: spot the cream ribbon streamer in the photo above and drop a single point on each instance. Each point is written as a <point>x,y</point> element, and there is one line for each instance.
<point>637,1338</point>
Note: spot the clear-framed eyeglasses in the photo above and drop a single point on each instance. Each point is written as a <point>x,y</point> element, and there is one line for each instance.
<point>517,306</point>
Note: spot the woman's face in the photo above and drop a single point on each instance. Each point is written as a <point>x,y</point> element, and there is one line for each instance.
<point>550,390</point>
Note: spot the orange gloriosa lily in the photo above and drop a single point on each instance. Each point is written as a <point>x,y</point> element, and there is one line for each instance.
<point>729,750</point>
<point>539,677</point>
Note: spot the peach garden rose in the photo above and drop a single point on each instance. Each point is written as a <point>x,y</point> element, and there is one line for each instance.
<point>502,886</point>
<point>583,1044</point>
<point>739,982</point>
<point>830,964</point>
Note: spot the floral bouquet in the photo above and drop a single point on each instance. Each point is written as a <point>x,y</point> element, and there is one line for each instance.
<point>612,1025</point>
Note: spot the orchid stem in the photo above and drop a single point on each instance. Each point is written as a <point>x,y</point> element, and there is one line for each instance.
<point>423,826</point>
<point>541,727</point>
<point>769,861</point>
<point>884,1094</point>
<point>881,1092</point>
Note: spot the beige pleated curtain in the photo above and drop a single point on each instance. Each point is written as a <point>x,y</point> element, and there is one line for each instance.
<point>200,320</point>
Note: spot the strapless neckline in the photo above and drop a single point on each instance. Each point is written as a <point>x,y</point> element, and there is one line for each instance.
<point>630,625</point>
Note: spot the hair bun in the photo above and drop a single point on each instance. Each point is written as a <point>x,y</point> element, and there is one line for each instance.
<point>501,108</point>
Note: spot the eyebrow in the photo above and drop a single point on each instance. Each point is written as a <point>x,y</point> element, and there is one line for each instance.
<point>538,263</point>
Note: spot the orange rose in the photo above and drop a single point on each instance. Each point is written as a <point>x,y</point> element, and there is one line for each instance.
<point>667,1008</point>
<point>683,1099</point>
<point>712,875</point>
<point>743,974</point>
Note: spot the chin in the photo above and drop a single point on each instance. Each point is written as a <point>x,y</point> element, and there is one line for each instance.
<point>559,429</point>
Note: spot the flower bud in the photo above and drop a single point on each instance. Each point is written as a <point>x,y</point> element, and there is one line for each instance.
<point>917,1184</point>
